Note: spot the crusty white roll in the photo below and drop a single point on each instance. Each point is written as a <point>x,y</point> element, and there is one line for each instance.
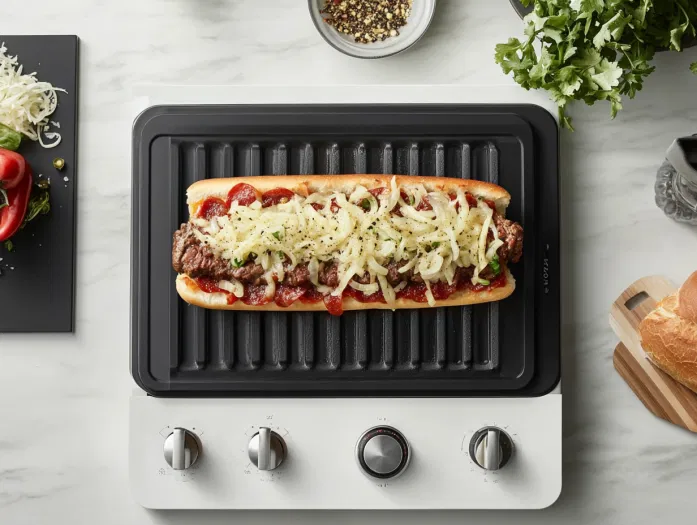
<point>669,334</point>
<point>304,185</point>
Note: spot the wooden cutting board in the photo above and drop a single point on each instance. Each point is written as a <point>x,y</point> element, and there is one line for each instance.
<point>660,393</point>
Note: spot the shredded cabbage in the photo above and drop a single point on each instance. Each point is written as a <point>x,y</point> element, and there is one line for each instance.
<point>26,103</point>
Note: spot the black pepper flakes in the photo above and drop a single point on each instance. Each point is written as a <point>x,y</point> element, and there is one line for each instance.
<point>367,21</point>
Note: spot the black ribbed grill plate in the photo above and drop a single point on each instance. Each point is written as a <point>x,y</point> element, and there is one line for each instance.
<point>485,349</point>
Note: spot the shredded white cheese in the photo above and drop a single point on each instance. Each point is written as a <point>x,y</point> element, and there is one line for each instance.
<point>364,236</point>
<point>26,103</point>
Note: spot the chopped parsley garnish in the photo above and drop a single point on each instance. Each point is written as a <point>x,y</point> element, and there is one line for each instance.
<point>277,235</point>
<point>495,265</point>
<point>237,263</point>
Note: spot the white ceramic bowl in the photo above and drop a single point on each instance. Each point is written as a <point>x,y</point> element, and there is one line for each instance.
<point>420,18</point>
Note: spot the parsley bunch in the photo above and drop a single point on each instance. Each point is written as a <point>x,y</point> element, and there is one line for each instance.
<point>595,50</point>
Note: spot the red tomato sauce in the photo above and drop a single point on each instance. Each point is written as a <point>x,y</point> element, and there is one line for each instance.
<point>499,282</point>
<point>311,296</point>
<point>376,297</point>
<point>210,286</point>
<point>255,295</point>
<point>334,304</point>
<point>414,292</point>
<point>287,295</point>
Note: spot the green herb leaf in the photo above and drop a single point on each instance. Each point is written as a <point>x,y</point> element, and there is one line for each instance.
<point>607,75</point>
<point>435,244</point>
<point>277,235</point>
<point>39,204</point>
<point>594,50</point>
<point>495,265</point>
<point>237,263</point>
<point>9,138</point>
<point>365,204</point>
<point>281,254</point>
<point>9,246</point>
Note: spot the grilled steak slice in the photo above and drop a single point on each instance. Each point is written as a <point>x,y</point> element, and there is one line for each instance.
<point>249,273</point>
<point>193,258</point>
<point>329,273</point>
<point>298,276</point>
<point>362,279</point>
<point>511,233</point>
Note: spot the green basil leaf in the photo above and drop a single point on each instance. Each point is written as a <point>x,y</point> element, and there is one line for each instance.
<point>9,138</point>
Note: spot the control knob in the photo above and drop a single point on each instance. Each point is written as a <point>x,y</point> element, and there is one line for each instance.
<point>383,452</point>
<point>182,448</point>
<point>267,450</point>
<point>491,448</point>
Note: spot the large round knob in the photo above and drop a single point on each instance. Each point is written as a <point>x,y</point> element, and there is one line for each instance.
<point>267,450</point>
<point>491,448</point>
<point>382,452</point>
<point>182,448</point>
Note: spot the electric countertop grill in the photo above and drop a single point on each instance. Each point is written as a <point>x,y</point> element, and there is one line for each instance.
<point>490,364</point>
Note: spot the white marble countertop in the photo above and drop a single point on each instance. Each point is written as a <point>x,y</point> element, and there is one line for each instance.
<point>64,399</point>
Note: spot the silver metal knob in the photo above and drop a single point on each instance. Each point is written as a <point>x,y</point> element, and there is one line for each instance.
<point>182,448</point>
<point>491,448</point>
<point>267,450</point>
<point>382,452</point>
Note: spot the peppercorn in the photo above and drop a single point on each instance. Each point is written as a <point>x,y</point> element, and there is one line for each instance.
<point>367,21</point>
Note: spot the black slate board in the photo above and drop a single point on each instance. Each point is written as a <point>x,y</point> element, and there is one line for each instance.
<point>38,278</point>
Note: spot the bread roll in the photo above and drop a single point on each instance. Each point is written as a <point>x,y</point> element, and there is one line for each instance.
<point>669,334</point>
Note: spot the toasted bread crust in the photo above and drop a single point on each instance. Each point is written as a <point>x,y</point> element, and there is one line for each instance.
<point>669,334</point>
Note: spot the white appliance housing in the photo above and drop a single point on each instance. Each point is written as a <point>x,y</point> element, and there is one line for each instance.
<point>321,470</point>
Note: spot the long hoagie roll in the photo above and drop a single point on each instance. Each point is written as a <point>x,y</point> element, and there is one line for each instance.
<point>345,242</point>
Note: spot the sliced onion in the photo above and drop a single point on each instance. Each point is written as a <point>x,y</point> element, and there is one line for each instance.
<point>401,286</point>
<point>373,265</point>
<point>313,270</point>
<point>387,291</point>
<point>270,286</point>
<point>233,286</point>
<point>365,288</point>
<point>409,265</point>
<point>491,252</point>
<point>429,295</point>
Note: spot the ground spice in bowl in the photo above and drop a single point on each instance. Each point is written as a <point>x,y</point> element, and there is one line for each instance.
<point>367,21</point>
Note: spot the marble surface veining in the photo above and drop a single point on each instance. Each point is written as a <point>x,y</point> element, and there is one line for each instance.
<point>63,399</point>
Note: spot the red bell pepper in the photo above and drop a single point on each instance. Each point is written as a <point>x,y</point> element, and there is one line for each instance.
<point>12,215</point>
<point>12,168</point>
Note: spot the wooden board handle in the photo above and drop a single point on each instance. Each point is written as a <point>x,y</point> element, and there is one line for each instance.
<point>659,392</point>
